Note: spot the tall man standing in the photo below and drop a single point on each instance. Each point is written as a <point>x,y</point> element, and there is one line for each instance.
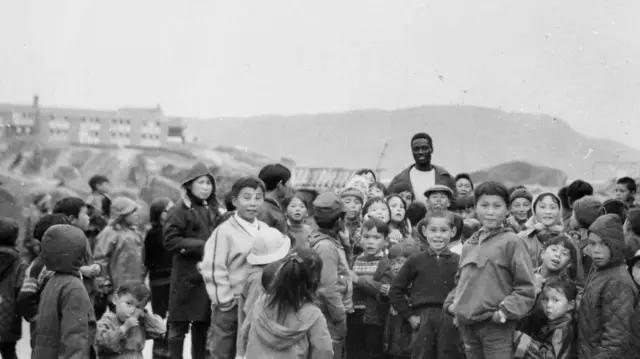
<point>423,175</point>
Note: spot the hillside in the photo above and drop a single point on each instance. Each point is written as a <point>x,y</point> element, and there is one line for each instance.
<point>466,138</point>
<point>517,172</point>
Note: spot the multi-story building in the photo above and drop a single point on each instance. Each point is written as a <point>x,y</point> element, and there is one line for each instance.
<point>135,127</point>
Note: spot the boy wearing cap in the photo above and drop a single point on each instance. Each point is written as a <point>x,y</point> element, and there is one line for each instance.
<point>585,211</point>
<point>336,286</point>
<point>439,198</point>
<point>520,208</point>
<point>119,246</point>
<point>353,199</point>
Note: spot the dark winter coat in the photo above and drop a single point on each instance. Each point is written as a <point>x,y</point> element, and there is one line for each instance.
<point>606,309</point>
<point>157,259</point>
<point>186,230</point>
<point>11,277</point>
<point>66,323</point>
<point>442,178</point>
<point>271,213</point>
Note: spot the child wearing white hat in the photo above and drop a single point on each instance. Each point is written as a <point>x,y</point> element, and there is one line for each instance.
<point>269,247</point>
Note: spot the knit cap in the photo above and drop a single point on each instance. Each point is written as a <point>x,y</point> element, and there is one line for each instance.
<point>268,246</point>
<point>633,217</point>
<point>327,207</point>
<point>586,210</point>
<point>123,206</point>
<point>352,191</point>
<point>520,193</point>
<point>361,183</point>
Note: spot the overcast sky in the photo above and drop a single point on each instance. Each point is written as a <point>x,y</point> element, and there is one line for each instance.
<point>576,59</point>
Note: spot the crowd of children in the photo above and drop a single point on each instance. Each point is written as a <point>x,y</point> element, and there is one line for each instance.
<point>456,271</point>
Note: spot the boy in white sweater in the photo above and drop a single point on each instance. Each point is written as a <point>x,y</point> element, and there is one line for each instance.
<point>224,267</point>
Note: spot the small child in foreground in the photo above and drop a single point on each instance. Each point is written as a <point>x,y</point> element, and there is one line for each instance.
<point>557,339</point>
<point>285,323</point>
<point>365,326</point>
<point>495,280</point>
<point>123,332</point>
<point>398,333</point>
<point>610,295</point>
<point>421,287</point>
<point>559,259</point>
<point>66,321</point>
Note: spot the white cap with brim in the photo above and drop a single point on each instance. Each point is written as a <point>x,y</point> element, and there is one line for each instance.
<point>439,188</point>
<point>269,246</point>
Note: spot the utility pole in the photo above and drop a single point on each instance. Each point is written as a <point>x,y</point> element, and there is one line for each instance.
<point>384,150</point>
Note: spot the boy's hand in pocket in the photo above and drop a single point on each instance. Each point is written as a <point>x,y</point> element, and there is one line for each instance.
<point>414,320</point>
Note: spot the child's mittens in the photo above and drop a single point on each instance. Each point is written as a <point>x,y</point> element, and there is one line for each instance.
<point>395,236</point>
<point>498,317</point>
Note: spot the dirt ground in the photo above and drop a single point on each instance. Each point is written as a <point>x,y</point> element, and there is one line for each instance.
<point>24,349</point>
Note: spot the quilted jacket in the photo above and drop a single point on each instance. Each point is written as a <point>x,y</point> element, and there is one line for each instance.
<point>607,307</point>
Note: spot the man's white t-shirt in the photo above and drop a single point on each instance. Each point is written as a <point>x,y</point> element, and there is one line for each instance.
<point>422,181</point>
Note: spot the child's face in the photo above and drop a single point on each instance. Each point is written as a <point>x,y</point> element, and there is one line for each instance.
<point>599,250</point>
<point>126,306</point>
<point>370,179</point>
<point>353,205</point>
<point>468,213</point>
<point>248,202</point>
<point>371,241</point>
<point>556,303</point>
<point>375,192</point>
<point>547,211</point>
<point>438,201</point>
<point>296,210</point>
<point>396,264</point>
<point>556,258</point>
<point>131,219</point>
<point>438,232</point>
<point>379,210</point>
<point>520,208</point>
<point>82,221</point>
<point>622,193</point>
<point>202,187</point>
<point>635,272</point>
<point>491,211</point>
<point>104,187</point>
<point>407,197</point>
<point>397,209</point>
<point>463,187</point>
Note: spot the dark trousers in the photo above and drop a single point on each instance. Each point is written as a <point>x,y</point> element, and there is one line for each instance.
<point>8,350</point>
<point>338,332</point>
<point>437,337</point>
<point>177,332</point>
<point>223,333</point>
<point>488,340</point>
<point>364,340</point>
<point>160,306</point>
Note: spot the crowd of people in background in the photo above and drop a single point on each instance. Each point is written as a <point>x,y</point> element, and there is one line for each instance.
<point>430,266</point>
